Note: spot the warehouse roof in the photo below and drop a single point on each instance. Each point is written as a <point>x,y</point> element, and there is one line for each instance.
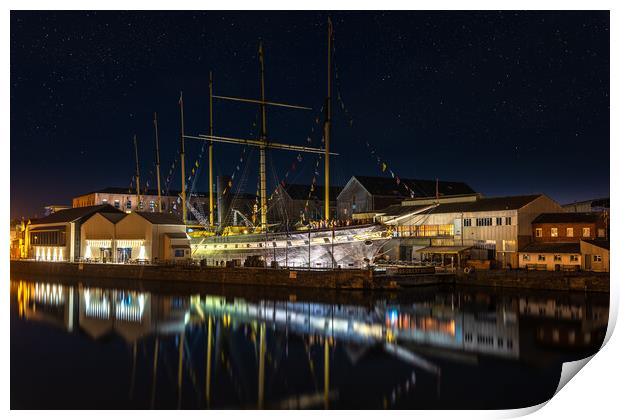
<point>481,204</point>
<point>160,218</point>
<point>377,185</point>
<point>301,191</point>
<point>76,213</point>
<point>553,247</point>
<point>567,218</point>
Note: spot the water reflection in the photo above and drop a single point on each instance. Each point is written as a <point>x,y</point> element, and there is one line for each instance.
<point>220,350</point>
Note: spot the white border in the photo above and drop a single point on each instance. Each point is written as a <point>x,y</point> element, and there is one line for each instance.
<point>593,394</point>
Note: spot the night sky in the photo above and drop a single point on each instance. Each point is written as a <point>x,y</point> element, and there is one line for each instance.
<point>511,103</point>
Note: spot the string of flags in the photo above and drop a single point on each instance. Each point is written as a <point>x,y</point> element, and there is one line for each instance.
<point>299,158</point>
<point>234,174</point>
<point>381,163</point>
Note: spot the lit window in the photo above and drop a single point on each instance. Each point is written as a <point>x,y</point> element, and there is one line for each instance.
<point>586,232</point>
<point>152,205</point>
<point>104,200</point>
<point>538,232</point>
<point>574,258</point>
<point>557,258</point>
<point>601,233</point>
<point>598,258</point>
<point>554,232</point>
<point>526,257</point>
<point>541,258</point>
<point>569,232</point>
<point>128,204</point>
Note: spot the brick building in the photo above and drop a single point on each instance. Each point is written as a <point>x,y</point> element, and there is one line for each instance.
<point>568,227</point>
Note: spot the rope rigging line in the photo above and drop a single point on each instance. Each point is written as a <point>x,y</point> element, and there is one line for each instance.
<point>381,163</point>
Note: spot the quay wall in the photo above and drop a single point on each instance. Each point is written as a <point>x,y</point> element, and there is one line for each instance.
<point>336,279</point>
<point>545,280</point>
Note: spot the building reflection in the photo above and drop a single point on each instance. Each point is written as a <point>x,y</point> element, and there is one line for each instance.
<point>184,345</point>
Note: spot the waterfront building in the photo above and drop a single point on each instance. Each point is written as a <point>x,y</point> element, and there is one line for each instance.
<point>57,237</point>
<point>568,227</point>
<point>550,256</point>
<point>126,199</point>
<point>493,228</point>
<point>370,193</point>
<point>300,202</point>
<point>595,254</point>
<point>142,237</point>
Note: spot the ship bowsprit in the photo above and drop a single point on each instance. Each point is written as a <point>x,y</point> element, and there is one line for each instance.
<point>344,247</point>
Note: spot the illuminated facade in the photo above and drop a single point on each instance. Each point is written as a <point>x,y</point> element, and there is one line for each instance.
<point>495,227</point>
<point>57,237</point>
<point>136,237</point>
<point>126,199</point>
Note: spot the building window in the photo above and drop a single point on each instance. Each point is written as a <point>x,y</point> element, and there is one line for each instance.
<point>484,221</point>
<point>466,222</point>
<point>498,221</point>
<point>557,258</point>
<point>569,232</point>
<point>601,233</point>
<point>104,200</point>
<point>526,257</point>
<point>598,258</point>
<point>152,205</point>
<point>141,205</point>
<point>129,204</point>
<point>554,232</point>
<point>586,232</point>
<point>574,258</point>
<point>163,205</point>
<point>117,204</point>
<point>508,221</point>
<point>539,232</point>
<point>541,258</point>
<point>178,253</point>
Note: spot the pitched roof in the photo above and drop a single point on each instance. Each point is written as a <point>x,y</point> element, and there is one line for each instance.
<point>301,191</point>
<point>568,217</point>
<point>481,204</point>
<point>599,242</point>
<point>160,218</point>
<point>73,214</point>
<point>113,217</point>
<point>553,247</point>
<point>421,187</point>
<point>597,202</point>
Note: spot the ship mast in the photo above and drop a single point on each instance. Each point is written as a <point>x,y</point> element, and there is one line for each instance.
<point>157,162</point>
<point>263,138</point>
<point>328,114</point>
<point>211,223</point>
<point>135,148</point>
<point>183,161</point>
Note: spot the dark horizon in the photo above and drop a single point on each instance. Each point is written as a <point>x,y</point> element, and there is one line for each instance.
<point>510,103</point>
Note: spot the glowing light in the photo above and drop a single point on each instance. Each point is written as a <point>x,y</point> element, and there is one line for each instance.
<point>142,253</point>
<point>88,253</point>
<point>38,253</point>
<point>60,258</point>
<point>49,254</point>
<point>55,255</point>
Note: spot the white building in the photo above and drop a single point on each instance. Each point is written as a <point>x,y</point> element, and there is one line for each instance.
<point>494,228</point>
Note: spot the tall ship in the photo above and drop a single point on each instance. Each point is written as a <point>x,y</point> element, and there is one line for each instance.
<point>252,240</point>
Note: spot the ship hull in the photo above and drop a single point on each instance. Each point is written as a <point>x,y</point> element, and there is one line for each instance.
<point>346,247</point>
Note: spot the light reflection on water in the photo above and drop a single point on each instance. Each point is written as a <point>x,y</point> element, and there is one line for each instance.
<point>78,346</point>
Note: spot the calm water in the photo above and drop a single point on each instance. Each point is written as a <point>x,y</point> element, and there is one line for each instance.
<point>112,345</point>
